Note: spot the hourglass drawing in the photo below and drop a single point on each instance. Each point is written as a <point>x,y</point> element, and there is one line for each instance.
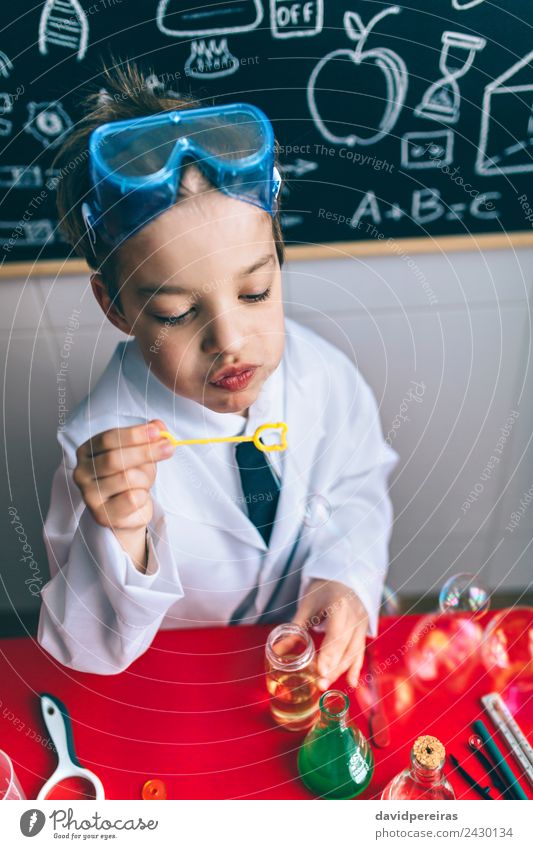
<point>442,100</point>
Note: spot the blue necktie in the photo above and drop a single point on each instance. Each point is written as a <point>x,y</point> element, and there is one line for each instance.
<point>259,486</point>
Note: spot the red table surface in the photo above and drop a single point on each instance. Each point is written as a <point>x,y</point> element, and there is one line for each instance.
<point>193,711</point>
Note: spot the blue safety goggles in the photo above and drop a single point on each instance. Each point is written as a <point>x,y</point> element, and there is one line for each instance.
<point>136,165</point>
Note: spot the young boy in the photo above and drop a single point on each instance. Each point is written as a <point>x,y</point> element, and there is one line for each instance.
<point>141,535</point>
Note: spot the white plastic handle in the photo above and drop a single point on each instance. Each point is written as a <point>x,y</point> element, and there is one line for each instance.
<point>57,721</point>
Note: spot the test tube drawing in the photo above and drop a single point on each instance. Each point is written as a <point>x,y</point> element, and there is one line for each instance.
<point>442,100</point>
<point>209,58</point>
<point>64,23</point>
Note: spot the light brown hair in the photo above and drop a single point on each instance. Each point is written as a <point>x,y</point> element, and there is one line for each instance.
<point>122,93</point>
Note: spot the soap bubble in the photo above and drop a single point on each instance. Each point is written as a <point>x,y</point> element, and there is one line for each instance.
<point>317,510</point>
<point>507,653</point>
<point>390,603</point>
<point>464,593</point>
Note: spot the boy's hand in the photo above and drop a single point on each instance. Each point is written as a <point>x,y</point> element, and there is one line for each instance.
<point>346,623</point>
<point>116,470</point>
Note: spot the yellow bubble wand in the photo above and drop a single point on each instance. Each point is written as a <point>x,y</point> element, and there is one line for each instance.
<point>279,427</point>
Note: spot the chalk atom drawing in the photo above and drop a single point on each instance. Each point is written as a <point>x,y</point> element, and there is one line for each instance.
<point>289,19</point>
<point>47,122</point>
<point>387,61</point>
<point>63,23</point>
<point>427,150</point>
<point>210,58</point>
<point>506,133</point>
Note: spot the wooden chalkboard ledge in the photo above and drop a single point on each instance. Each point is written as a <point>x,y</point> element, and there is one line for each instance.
<point>332,250</point>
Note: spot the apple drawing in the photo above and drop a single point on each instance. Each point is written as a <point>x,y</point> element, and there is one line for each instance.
<point>387,61</point>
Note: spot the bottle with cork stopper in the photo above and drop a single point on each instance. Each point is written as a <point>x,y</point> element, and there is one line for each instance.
<point>424,779</point>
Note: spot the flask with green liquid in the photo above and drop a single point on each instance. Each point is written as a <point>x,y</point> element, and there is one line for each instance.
<point>335,760</point>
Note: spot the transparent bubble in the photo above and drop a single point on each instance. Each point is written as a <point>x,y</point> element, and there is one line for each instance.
<point>317,510</point>
<point>464,593</point>
<point>507,653</point>
<point>390,603</point>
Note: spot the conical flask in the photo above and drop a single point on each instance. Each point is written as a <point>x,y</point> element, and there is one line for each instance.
<point>424,779</point>
<point>335,760</point>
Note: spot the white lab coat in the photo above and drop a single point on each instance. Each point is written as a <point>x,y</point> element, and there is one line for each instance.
<point>208,564</point>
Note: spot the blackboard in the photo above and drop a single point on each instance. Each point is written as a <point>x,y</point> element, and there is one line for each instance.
<point>395,121</point>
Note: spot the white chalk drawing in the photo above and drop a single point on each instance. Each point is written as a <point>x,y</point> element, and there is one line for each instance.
<point>47,122</point>
<point>390,64</point>
<point>506,134</point>
<point>456,212</point>
<point>426,205</point>
<point>209,58</point>
<point>6,106</point>
<point>431,149</point>
<point>290,220</point>
<point>36,232</point>
<point>465,4</point>
<point>64,24</point>
<point>154,84</point>
<point>442,100</point>
<point>6,65</point>
<point>220,19</point>
<point>299,167</point>
<point>395,212</point>
<point>21,176</point>
<point>289,19</point>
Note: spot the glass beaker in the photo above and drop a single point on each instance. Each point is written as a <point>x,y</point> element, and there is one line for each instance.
<point>443,647</point>
<point>335,760</point>
<point>424,779</point>
<point>291,676</point>
<point>507,654</point>
<point>9,784</point>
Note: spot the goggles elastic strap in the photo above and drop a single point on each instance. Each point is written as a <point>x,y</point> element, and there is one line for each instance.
<point>86,214</point>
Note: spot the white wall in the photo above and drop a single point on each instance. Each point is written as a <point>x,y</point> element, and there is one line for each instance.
<point>457,324</point>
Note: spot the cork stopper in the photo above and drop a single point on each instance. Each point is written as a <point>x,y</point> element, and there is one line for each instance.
<point>429,751</point>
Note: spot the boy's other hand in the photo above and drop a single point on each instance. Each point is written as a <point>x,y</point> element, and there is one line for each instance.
<point>116,470</point>
<point>346,623</point>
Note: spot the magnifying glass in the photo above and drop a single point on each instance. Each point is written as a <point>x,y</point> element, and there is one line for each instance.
<point>70,780</point>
